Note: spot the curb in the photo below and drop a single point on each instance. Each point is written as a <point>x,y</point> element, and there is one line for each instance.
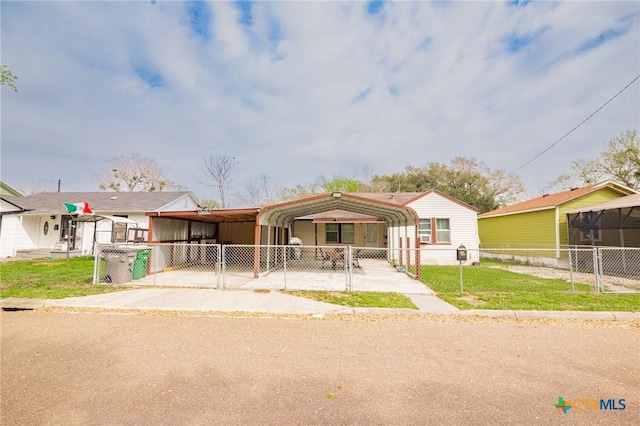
<point>15,304</point>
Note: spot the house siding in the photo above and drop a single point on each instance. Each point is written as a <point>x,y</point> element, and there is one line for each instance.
<point>10,231</point>
<point>462,223</point>
<point>536,229</point>
<point>532,229</point>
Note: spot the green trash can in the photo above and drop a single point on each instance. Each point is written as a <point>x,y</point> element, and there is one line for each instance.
<point>140,264</point>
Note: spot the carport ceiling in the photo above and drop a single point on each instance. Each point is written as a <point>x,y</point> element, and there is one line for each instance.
<point>283,214</point>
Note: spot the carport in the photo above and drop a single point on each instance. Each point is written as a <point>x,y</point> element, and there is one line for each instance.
<point>281,216</point>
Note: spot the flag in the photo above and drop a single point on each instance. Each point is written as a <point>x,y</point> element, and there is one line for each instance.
<point>78,208</point>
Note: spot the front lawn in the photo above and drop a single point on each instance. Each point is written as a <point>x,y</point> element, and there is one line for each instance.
<point>493,288</point>
<point>50,279</point>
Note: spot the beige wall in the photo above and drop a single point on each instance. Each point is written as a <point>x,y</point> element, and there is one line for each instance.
<point>237,232</point>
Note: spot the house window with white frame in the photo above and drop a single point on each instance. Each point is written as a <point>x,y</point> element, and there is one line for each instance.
<point>443,231</point>
<point>424,230</point>
<point>340,233</point>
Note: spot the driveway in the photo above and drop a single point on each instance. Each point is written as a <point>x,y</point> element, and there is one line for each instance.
<point>81,368</point>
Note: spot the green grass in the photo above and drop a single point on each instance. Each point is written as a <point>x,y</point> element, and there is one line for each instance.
<point>50,279</point>
<point>493,288</point>
<point>357,299</point>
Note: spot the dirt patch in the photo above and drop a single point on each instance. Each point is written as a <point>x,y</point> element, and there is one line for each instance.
<point>615,284</point>
<point>471,300</point>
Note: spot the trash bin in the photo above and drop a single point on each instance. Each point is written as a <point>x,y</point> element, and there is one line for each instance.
<point>295,251</point>
<point>140,264</point>
<point>119,264</point>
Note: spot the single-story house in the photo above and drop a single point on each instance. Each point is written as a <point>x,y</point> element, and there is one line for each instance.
<point>443,222</point>
<point>41,221</point>
<point>542,222</point>
<point>611,223</point>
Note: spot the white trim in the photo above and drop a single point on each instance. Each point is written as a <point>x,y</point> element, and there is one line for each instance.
<point>557,229</point>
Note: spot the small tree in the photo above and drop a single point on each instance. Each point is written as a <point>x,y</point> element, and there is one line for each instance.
<point>7,78</point>
<point>134,173</point>
<point>218,169</point>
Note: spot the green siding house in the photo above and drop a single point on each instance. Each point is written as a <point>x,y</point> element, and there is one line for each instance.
<point>542,222</point>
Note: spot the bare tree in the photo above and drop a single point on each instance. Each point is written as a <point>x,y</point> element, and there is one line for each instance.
<point>134,173</point>
<point>218,170</point>
<point>261,191</point>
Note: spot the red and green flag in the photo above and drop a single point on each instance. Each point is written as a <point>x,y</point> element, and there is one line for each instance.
<point>78,208</point>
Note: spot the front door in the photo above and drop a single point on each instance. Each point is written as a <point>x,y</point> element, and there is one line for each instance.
<point>371,233</point>
<point>68,232</point>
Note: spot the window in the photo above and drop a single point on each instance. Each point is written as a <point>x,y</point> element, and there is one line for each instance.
<point>424,230</point>
<point>443,231</point>
<point>339,233</point>
<point>442,227</point>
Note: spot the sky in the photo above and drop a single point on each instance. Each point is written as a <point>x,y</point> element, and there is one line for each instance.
<point>297,90</point>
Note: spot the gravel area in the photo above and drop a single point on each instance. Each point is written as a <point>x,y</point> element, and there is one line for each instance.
<point>615,284</point>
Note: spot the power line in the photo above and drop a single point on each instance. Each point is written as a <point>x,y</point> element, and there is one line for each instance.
<point>580,124</point>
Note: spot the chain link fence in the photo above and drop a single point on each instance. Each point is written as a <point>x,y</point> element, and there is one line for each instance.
<point>339,268</point>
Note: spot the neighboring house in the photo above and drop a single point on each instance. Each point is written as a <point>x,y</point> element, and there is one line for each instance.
<point>41,221</point>
<point>6,189</point>
<point>445,223</point>
<point>611,223</point>
<point>542,222</point>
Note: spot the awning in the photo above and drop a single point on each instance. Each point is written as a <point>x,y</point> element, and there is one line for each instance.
<point>98,217</point>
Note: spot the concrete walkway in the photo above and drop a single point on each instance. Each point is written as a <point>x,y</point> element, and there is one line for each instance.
<point>212,300</point>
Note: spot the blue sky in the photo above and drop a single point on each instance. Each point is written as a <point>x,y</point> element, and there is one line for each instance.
<point>301,90</point>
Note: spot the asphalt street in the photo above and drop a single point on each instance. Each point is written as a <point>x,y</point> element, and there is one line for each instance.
<point>171,369</point>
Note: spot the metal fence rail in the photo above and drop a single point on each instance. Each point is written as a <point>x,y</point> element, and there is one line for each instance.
<point>338,268</point>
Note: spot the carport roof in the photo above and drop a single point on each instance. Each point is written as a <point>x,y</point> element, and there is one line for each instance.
<point>284,213</point>
<point>211,215</point>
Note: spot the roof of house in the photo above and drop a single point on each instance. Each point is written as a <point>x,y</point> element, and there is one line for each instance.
<point>549,201</point>
<point>6,189</point>
<point>619,203</point>
<point>52,202</point>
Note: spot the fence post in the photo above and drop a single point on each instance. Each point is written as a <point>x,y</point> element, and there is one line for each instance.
<point>595,269</point>
<point>96,262</point>
<point>224,266</point>
<point>286,254</point>
<point>573,286</point>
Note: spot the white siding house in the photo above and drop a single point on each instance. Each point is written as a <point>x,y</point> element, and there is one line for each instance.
<point>41,222</point>
<point>445,224</point>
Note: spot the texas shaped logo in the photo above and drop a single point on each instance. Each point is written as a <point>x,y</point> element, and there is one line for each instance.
<point>561,405</point>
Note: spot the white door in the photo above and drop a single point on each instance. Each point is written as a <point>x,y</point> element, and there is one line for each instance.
<point>371,232</point>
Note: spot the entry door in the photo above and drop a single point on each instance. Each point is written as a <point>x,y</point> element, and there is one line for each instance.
<point>371,231</point>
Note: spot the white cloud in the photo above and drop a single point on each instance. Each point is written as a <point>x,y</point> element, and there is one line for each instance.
<point>313,88</point>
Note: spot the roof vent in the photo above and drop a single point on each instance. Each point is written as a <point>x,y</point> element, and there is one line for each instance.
<point>545,195</point>
<point>573,189</point>
<point>113,198</point>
